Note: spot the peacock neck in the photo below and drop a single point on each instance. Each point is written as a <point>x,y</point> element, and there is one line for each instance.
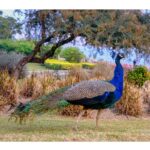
<point>117,80</point>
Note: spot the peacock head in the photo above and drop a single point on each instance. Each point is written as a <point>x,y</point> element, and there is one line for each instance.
<point>119,56</point>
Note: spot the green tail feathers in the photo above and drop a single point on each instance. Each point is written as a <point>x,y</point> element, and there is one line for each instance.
<point>41,105</point>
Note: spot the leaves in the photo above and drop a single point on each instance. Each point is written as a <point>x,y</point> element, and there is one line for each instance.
<point>8,27</point>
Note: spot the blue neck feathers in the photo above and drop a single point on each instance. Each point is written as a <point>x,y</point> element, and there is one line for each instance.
<point>117,80</point>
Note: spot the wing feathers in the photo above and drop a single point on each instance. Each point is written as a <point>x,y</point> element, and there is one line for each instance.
<point>88,89</point>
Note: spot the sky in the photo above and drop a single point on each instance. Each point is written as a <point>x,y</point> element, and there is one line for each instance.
<point>89,51</point>
<point>8,13</point>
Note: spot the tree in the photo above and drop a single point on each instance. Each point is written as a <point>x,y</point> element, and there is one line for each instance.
<point>8,27</point>
<point>112,28</point>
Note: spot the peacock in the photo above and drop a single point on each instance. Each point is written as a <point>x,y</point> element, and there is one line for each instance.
<point>91,94</point>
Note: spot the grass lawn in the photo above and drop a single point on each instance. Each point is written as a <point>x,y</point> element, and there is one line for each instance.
<point>36,67</point>
<point>57,128</point>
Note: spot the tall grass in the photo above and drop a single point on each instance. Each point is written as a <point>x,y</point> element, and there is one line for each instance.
<point>8,89</point>
<point>146,95</point>
<point>103,71</point>
<point>36,86</point>
<point>131,101</point>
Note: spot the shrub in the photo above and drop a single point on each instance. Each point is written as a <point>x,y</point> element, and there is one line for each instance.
<point>138,75</point>
<point>20,46</point>
<point>8,90</point>
<point>131,101</point>
<point>72,54</point>
<point>64,65</point>
<point>54,66</point>
<point>9,61</point>
<point>59,64</point>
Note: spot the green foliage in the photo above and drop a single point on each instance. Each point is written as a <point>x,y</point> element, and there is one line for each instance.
<point>44,49</point>
<point>24,47</point>
<point>138,75</point>
<point>54,66</point>
<point>72,54</point>
<point>57,52</point>
<point>8,27</point>
<point>20,46</point>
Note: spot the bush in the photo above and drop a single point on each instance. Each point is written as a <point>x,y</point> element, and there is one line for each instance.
<point>54,66</point>
<point>72,54</point>
<point>9,61</point>
<point>138,75</point>
<point>8,90</point>
<point>20,46</point>
<point>59,64</point>
<point>64,65</point>
<point>131,101</point>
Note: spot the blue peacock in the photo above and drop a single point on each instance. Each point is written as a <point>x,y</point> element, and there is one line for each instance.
<point>91,94</point>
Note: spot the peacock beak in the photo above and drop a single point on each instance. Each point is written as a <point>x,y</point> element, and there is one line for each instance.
<point>121,56</point>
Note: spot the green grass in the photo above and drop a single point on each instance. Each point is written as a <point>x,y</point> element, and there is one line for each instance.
<point>36,67</point>
<point>58,128</point>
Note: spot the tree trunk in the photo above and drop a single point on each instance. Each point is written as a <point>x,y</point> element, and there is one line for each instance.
<point>28,58</point>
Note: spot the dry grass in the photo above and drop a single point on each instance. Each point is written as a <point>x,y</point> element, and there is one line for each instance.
<point>146,95</point>
<point>103,71</point>
<point>8,89</point>
<point>35,86</point>
<point>58,128</point>
<point>71,110</point>
<point>131,101</point>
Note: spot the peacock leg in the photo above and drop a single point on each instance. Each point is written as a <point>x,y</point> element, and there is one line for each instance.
<point>97,117</point>
<point>79,117</point>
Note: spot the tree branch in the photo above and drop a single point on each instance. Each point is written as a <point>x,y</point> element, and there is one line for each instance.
<point>51,52</point>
